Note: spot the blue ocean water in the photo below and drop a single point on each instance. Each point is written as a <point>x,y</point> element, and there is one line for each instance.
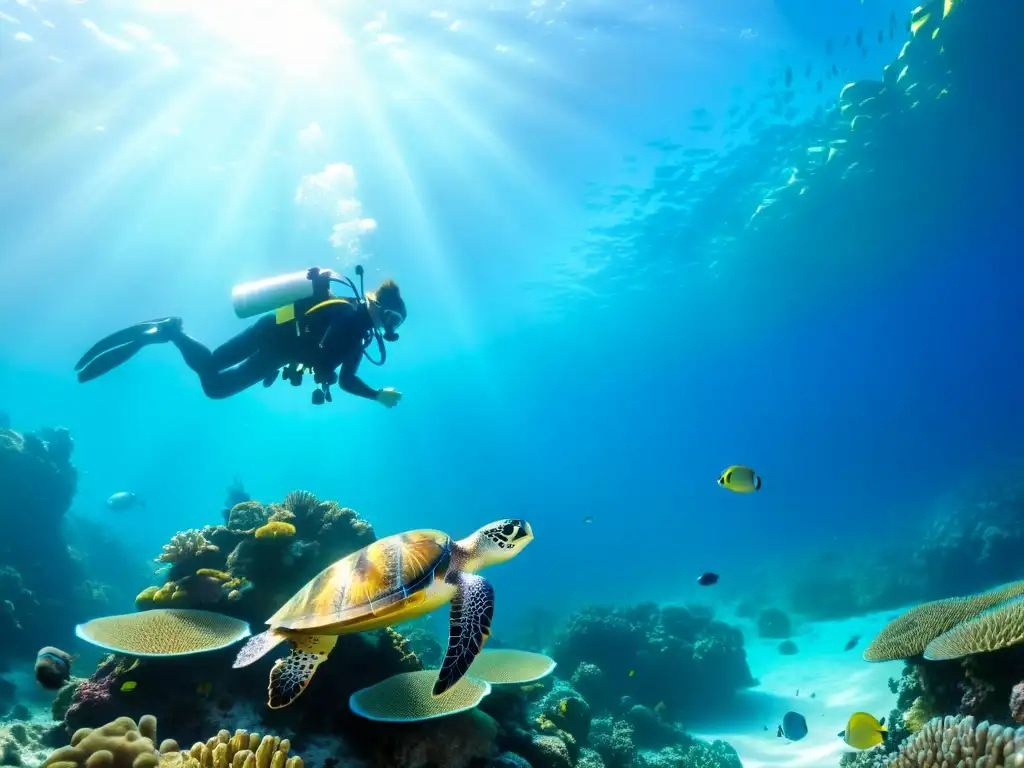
<point>565,358</point>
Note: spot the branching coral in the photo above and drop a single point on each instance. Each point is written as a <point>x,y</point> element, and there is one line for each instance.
<point>185,546</point>
<point>243,750</point>
<point>955,741</point>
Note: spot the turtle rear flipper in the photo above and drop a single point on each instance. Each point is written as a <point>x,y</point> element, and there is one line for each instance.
<point>291,674</point>
<point>470,626</point>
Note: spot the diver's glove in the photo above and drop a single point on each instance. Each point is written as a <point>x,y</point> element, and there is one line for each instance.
<point>388,397</point>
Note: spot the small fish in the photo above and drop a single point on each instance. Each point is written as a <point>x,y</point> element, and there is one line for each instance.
<point>707,579</point>
<point>203,689</point>
<point>813,694</point>
<point>789,76</point>
<point>128,686</point>
<point>851,643</point>
<point>863,731</point>
<point>588,519</point>
<point>124,501</point>
<point>53,667</point>
<point>860,38</point>
<point>794,726</point>
<point>829,46</point>
<point>881,36</point>
<point>740,479</point>
<point>632,673</point>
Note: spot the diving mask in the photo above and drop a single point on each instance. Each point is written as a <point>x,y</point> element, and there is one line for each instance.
<point>391,321</point>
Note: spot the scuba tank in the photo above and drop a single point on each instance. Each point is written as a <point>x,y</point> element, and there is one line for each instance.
<point>260,296</point>
<point>280,294</point>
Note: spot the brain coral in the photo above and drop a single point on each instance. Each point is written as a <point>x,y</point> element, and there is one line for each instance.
<point>910,633</point>
<point>957,741</point>
<point>120,744</point>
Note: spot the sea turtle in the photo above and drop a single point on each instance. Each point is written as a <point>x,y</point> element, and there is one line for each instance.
<point>395,579</point>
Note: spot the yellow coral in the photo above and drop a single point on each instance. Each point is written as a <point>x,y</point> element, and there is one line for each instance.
<point>213,573</point>
<point>545,724</point>
<point>918,714</point>
<point>243,750</point>
<point>146,598</point>
<point>275,530</point>
<point>122,744</point>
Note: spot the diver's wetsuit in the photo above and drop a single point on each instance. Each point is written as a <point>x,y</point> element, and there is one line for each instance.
<point>326,333</point>
<point>330,337</point>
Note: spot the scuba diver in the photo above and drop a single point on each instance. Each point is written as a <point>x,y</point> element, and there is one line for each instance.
<point>304,328</point>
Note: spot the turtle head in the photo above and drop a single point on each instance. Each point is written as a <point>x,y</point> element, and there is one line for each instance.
<point>496,542</point>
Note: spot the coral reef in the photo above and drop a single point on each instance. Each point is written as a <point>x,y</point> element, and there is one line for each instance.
<point>971,542</point>
<point>655,656</point>
<point>248,567</point>
<point>123,744</point>
<point>675,661</point>
<point>621,659</point>
<point>38,574</point>
<point>227,568</point>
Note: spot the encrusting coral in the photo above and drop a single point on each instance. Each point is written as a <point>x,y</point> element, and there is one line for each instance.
<point>123,744</point>
<point>275,529</point>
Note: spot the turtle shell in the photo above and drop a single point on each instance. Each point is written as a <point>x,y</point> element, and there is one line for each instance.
<point>362,584</point>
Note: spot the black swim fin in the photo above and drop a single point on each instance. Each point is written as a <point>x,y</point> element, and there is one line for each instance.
<point>118,347</point>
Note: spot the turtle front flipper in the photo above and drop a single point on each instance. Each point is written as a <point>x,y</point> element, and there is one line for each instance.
<point>257,647</point>
<point>291,674</point>
<point>470,626</point>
